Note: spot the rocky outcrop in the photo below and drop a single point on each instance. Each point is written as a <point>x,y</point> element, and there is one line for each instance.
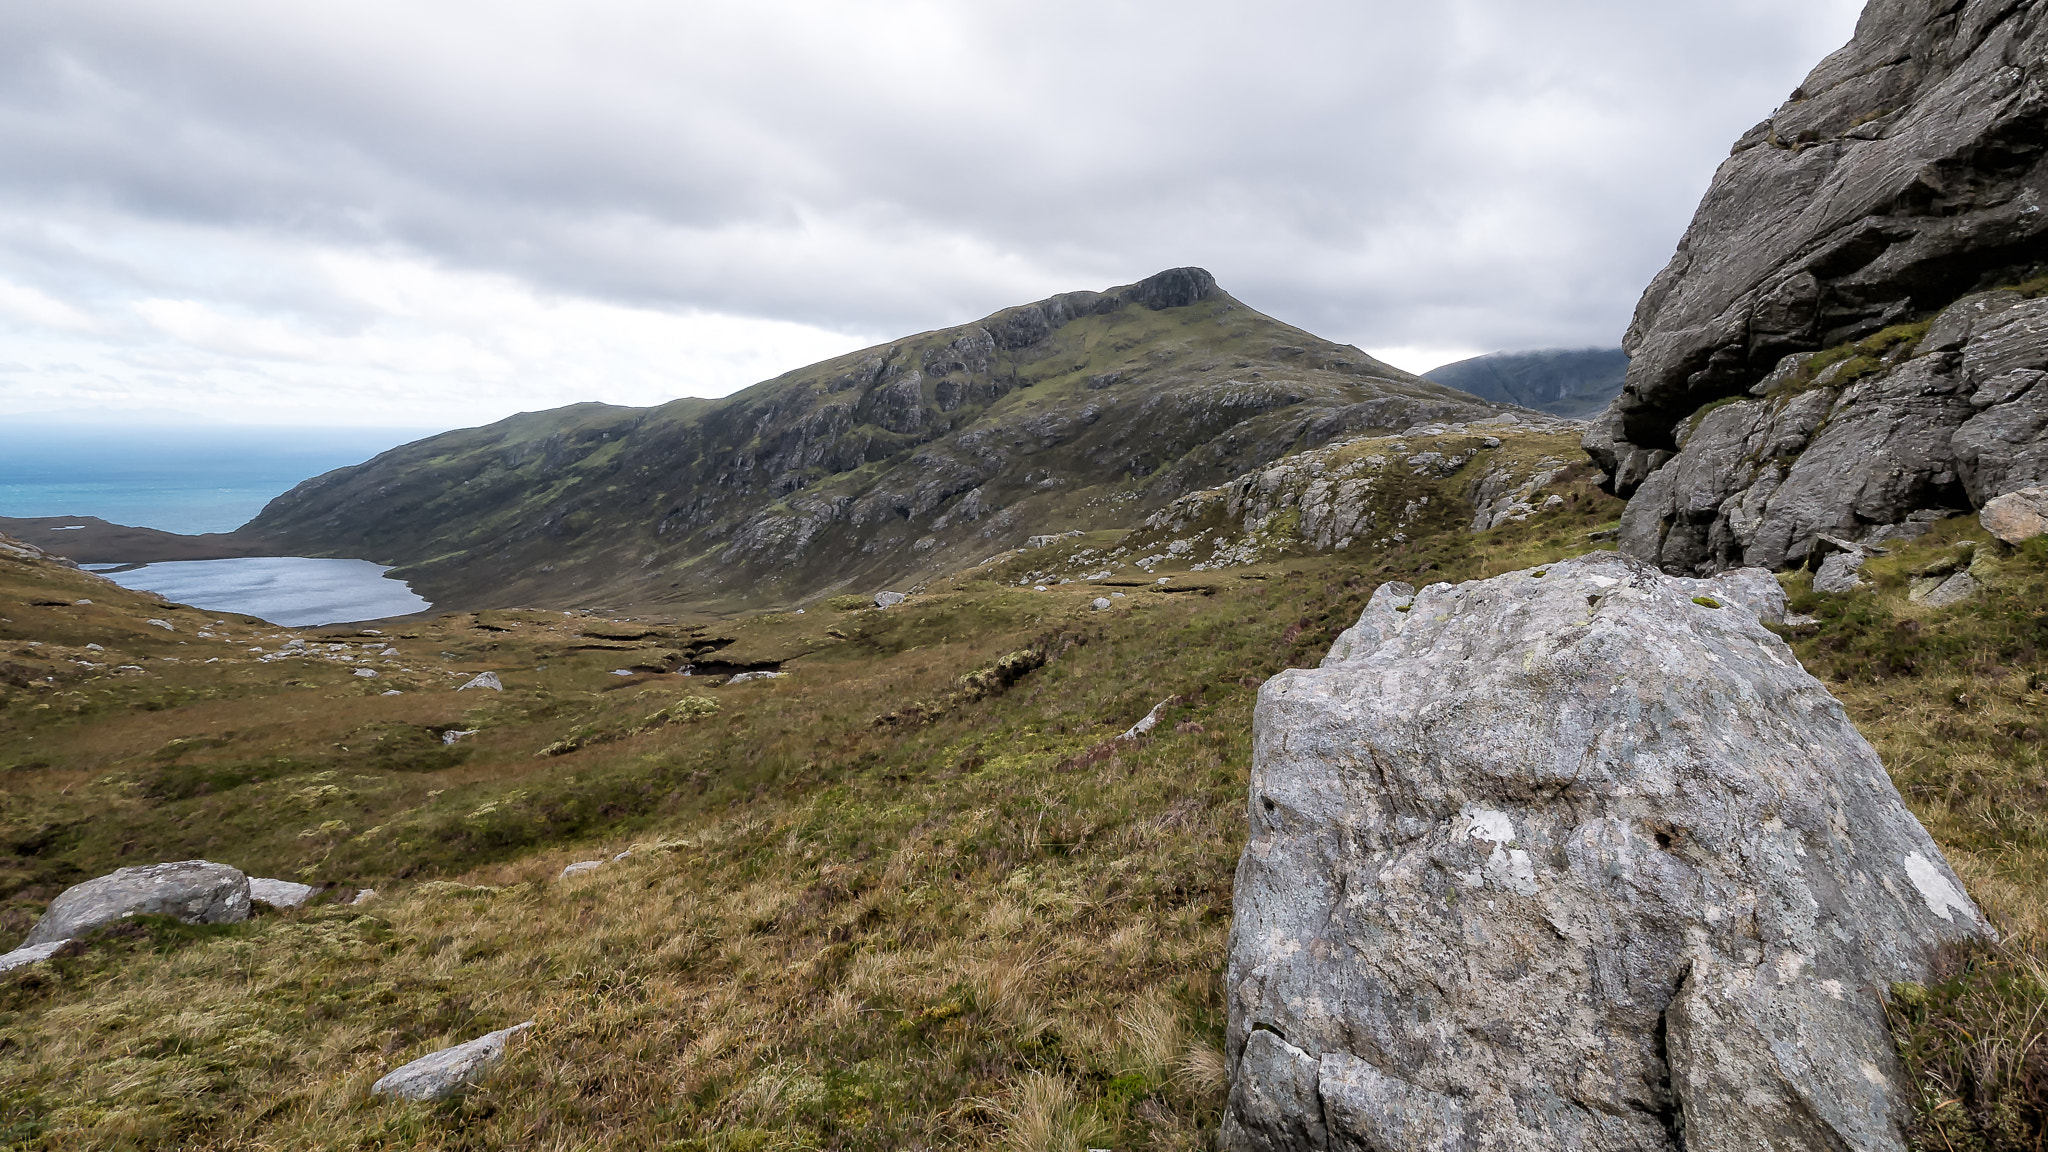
<point>1905,174</point>
<point>1368,491</point>
<point>195,891</point>
<point>1877,444</point>
<point>1575,857</point>
<point>439,1075</point>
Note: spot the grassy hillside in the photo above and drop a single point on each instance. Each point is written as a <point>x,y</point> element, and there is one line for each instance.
<point>887,466</point>
<point>914,893</point>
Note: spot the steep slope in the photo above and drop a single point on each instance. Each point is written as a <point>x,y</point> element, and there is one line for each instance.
<point>1904,174</point>
<point>1572,382</point>
<point>886,465</point>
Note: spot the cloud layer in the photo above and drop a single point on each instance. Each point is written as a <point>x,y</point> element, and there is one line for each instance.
<point>395,212</point>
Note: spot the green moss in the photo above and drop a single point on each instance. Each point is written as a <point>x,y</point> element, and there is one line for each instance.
<point>1706,601</point>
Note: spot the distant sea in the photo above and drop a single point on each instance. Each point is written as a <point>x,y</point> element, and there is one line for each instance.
<point>174,477</point>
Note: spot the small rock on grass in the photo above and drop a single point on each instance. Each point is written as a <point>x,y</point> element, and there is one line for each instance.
<point>278,893</point>
<point>580,867</point>
<point>1101,603</point>
<point>485,680</point>
<point>442,1074</point>
<point>889,599</point>
<point>1150,721</point>
<point>29,954</point>
<point>1839,573</point>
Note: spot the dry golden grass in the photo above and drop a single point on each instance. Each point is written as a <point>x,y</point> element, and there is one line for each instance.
<point>997,927</point>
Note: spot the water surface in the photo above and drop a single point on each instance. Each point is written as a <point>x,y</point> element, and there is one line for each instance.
<point>291,590</point>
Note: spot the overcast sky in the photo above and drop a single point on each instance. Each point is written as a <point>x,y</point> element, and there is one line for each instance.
<point>439,213</point>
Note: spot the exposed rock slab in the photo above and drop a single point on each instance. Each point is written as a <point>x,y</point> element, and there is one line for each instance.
<point>195,891</point>
<point>439,1075</point>
<point>1576,857</point>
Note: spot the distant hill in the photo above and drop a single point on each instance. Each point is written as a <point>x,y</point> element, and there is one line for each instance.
<point>882,467</point>
<point>1571,382</point>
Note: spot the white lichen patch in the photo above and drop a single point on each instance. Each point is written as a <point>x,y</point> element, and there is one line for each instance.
<point>1935,888</point>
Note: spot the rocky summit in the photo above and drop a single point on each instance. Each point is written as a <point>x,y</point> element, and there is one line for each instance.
<point>874,469</point>
<point>1851,327</point>
<point>1573,857</point>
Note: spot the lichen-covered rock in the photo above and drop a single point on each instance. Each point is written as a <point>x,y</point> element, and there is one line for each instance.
<point>195,891</point>
<point>1903,175</point>
<point>439,1075</point>
<point>1575,857</point>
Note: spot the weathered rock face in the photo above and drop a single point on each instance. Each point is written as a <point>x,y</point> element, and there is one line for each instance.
<point>195,891</point>
<point>1870,448</point>
<point>1906,172</point>
<point>1572,858</point>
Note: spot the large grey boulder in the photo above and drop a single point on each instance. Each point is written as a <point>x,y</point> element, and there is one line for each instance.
<point>195,891</point>
<point>1902,176</point>
<point>1576,857</point>
<point>442,1074</point>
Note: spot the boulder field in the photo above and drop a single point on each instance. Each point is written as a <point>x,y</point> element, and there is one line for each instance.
<point>1573,857</point>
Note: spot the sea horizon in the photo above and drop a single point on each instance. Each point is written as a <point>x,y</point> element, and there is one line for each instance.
<point>184,478</point>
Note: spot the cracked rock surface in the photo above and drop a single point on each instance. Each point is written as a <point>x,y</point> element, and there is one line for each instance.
<point>1576,857</point>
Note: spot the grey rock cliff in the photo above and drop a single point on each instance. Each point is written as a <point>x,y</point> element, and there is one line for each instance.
<point>1575,857</point>
<point>195,891</point>
<point>1904,174</point>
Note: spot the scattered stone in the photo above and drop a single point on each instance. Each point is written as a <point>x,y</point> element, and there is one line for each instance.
<point>30,954</point>
<point>279,893</point>
<point>1039,588</point>
<point>163,624</point>
<point>580,867</point>
<point>367,673</point>
<point>1150,721</point>
<point>81,603</point>
<point>1942,591</point>
<point>1164,580</point>
<point>195,891</point>
<point>486,680</point>
<point>364,897</point>
<point>391,692</point>
<point>442,1074</point>
<point>1569,859</point>
<point>2016,516</point>
<point>889,599</point>
<point>453,734</point>
<point>1840,572</point>
<point>1117,596</point>
<point>743,677</point>
<point>1101,602</point>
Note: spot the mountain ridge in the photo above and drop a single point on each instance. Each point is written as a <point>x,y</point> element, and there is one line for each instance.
<point>889,464</point>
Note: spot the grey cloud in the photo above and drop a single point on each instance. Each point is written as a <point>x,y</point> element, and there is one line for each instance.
<point>1481,173</point>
